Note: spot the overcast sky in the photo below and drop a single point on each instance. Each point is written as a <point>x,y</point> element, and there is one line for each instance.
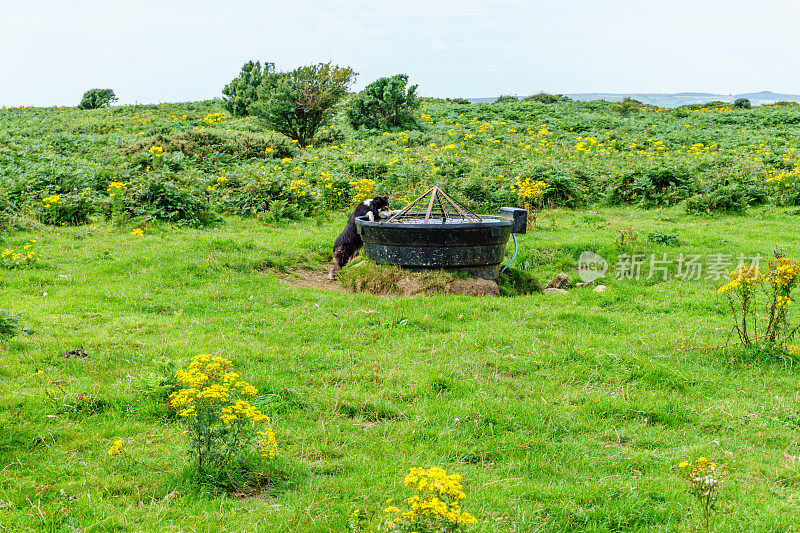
<point>175,50</point>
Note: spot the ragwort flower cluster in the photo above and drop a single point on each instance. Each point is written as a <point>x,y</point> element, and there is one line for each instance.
<point>115,448</point>
<point>750,306</point>
<point>436,507</point>
<point>744,278</point>
<point>529,192</point>
<point>10,258</point>
<point>706,479</point>
<point>214,403</point>
<point>212,118</point>
<point>362,190</point>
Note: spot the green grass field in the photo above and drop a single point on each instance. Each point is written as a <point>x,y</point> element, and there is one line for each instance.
<point>166,231</point>
<point>561,412</point>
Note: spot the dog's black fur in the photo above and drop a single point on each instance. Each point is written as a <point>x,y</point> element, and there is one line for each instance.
<point>349,242</point>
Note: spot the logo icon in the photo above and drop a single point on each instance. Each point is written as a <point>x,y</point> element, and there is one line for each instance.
<point>591,266</point>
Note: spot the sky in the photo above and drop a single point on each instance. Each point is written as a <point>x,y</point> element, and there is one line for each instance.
<point>51,51</point>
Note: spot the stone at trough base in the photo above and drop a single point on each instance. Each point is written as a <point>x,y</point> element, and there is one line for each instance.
<point>600,288</point>
<point>411,286</point>
<point>553,290</point>
<point>561,281</point>
<point>474,287</point>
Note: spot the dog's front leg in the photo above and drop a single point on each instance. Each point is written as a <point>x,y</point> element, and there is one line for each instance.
<point>334,271</point>
<point>371,216</point>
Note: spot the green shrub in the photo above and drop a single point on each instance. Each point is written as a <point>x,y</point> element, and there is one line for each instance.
<point>725,199</point>
<point>627,106</point>
<point>563,190</point>
<point>367,169</point>
<point>242,92</point>
<point>330,135</point>
<point>479,191</point>
<point>246,145</point>
<point>70,209</point>
<point>513,282</point>
<point>8,209</point>
<point>742,103</point>
<point>792,196</point>
<point>460,101</point>
<point>663,186</point>
<point>304,99</point>
<point>269,193</point>
<point>667,239</point>
<point>158,382</point>
<point>280,211</point>
<point>157,196</point>
<point>621,189</point>
<point>203,144</point>
<point>97,98</point>
<point>484,195</point>
<point>506,99</point>
<point>385,103</point>
<point>659,185</point>
<point>714,104</point>
<point>336,191</point>
<point>596,105</point>
<point>255,196</point>
<point>546,98</point>
<point>10,325</point>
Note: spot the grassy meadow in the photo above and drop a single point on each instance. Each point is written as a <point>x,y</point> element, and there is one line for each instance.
<point>561,412</point>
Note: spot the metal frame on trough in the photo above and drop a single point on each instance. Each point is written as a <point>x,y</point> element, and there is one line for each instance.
<point>437,194</point>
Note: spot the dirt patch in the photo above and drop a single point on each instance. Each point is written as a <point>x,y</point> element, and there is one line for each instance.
<point>410,286</point>
<point>311,279</point>
<point>248,493</point>
<point>389,281</point>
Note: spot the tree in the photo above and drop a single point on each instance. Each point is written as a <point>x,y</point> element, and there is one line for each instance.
<point>242,91</point>
<point>97,98</point>
<point>304,99</point>
<point>269,82</point>
<point>742,103</point>
<point>627,106</point>
<point>384,103</point>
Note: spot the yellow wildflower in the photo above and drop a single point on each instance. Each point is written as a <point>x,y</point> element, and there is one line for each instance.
<point>116,447</point>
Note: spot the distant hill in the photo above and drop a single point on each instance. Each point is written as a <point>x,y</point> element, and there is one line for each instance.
<point>675,99</point>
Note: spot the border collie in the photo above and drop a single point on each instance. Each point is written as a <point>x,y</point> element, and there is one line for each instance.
<point>349,242</point>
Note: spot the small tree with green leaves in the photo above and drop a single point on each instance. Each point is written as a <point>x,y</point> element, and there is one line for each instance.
<point>97,98</point>
<point>243,91</point>
<point>305,98</point>
<point>384,103</point>
<point>742,103</point>
<point>627,106</point>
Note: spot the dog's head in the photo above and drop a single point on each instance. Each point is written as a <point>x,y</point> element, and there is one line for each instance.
<point>380,207</point>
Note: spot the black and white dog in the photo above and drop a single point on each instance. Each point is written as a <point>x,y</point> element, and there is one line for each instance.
<point>349,242</point>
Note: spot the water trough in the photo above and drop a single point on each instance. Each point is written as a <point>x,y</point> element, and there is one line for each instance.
<point>445,235</point>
